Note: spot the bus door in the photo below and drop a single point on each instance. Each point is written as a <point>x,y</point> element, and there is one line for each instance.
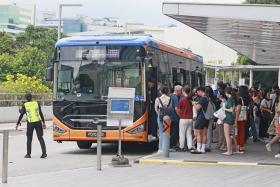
<point>196,78</point>
<point>152,94</point>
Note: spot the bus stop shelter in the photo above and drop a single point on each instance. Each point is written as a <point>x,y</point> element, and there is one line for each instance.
<point>239,69</point>
<point>251,30</point>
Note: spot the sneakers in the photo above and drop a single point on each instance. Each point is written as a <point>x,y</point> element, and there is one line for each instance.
<point>195,151</point>
<point>182,150</point>
<point>151,138</point>
<point>44,155</point>
<point>27,156</point>
<point>239,152</point>
<point>268,147</point>
<point>277,156</point>
<point>173,149</point>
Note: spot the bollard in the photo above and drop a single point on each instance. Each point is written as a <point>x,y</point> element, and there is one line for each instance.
<point>120,138</point>
<point>99,146</point>
<point>166,136</point>
<point>5,156</point>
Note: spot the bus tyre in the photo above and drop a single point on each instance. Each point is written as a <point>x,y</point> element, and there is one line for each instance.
<point>84,144</point>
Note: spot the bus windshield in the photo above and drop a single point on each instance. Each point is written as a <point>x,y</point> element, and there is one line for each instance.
<point>89,73</point>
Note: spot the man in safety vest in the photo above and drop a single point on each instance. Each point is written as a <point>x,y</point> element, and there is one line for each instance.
<point>34,117</point>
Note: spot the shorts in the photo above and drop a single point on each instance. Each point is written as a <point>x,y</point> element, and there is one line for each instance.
<point>201,124</point>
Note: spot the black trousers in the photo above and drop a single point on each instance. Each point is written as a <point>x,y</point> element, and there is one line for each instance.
<point>39,131</point>
<point>265,122</point>
<point>152,123</point>
<point>174,133</point>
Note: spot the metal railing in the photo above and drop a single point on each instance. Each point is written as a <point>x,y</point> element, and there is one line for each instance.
<point>17,99</point>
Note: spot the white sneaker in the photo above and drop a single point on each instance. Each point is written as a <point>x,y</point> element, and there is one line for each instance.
<point>277,156</point>
<point>151,138</point>
<point>268,147</point>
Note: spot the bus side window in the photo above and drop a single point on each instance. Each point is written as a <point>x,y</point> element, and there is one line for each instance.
<point>174,75</point>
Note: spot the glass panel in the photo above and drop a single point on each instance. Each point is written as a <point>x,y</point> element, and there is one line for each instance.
<point>84,80</point>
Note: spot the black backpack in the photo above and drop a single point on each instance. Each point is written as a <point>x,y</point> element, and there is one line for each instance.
<point>165,110</point>
<point>250,110</point>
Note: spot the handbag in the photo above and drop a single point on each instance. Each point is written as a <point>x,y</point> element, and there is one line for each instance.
<point>243,112</point>
<point>220,114</point>
<point>278,126</point>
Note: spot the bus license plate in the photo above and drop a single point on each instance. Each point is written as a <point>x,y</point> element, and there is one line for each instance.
<point>94,134</point>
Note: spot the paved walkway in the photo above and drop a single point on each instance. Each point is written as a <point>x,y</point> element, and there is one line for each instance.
<point>11,126</point>
<point>153,175</point>
<point>255,155</point>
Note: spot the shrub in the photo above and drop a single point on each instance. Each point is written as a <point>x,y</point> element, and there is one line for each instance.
<point>23,84</point>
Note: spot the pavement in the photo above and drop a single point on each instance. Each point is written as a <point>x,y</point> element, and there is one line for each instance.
<point>255,155</point>
<point>66,165</point>
<point>12,126</point>
<point>153,175</point>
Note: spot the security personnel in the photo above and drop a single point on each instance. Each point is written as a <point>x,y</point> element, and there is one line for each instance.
<point>34,118</point>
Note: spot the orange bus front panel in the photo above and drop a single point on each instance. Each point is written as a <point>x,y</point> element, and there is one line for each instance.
<point>129,134</point>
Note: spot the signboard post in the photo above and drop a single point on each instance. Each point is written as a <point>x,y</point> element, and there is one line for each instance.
<point>120,110</point>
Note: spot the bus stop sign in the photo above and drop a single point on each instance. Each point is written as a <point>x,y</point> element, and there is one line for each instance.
<point>120,106</point>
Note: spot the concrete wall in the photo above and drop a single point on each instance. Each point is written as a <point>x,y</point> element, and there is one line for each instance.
<point>11,114</point>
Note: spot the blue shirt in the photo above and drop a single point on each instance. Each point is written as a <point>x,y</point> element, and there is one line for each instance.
<point>203,101</point>
<point>175,103</point>
<point>217,91</point>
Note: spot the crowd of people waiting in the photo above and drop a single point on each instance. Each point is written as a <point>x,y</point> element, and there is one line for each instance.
<point>237,114</point>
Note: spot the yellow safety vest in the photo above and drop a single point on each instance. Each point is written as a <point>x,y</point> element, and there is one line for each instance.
<point>32,111</point>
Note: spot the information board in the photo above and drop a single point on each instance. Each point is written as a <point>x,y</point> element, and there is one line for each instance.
<point>120,106</point>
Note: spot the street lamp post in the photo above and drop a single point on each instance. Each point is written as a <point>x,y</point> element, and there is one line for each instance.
<point>59,16</point>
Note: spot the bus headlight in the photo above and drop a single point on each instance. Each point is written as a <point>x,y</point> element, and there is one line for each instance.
<point>137,129</point>
<point>58,129</point>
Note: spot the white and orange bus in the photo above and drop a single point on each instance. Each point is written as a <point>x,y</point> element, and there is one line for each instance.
<point>86,66</point>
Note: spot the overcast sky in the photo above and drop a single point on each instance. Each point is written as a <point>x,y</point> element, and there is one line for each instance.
<point>148,12</point>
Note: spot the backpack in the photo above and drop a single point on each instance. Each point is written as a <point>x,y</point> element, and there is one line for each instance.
<point>243,112</point>
<point>165,110</point>
<point>211,109</point>
<point>250,110</point>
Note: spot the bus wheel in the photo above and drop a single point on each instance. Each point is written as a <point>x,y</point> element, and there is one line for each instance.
<point>84,144</point>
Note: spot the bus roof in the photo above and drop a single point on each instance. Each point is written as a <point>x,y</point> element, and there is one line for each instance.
<point>128,40</point>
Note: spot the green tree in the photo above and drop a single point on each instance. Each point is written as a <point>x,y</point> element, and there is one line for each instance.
<point>6,61</point>
<point>41,38</point>
<point>30,61</point>
<point>244,60</point>
<point>7,43</point>
<point>22,84</point>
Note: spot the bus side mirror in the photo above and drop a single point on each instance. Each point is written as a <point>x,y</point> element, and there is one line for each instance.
<point>49,73</point>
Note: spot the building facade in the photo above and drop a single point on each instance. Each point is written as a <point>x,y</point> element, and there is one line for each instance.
<point>14,18</point>
<point>70,25</point>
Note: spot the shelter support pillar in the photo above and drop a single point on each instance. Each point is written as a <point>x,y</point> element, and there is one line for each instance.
<point>206,76</point>
<point>232,77</point>
<point>239,77</point>
<point>251,78</point>
<point>279,77</point>
<point>216,76</point>
<point>224,76</point>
